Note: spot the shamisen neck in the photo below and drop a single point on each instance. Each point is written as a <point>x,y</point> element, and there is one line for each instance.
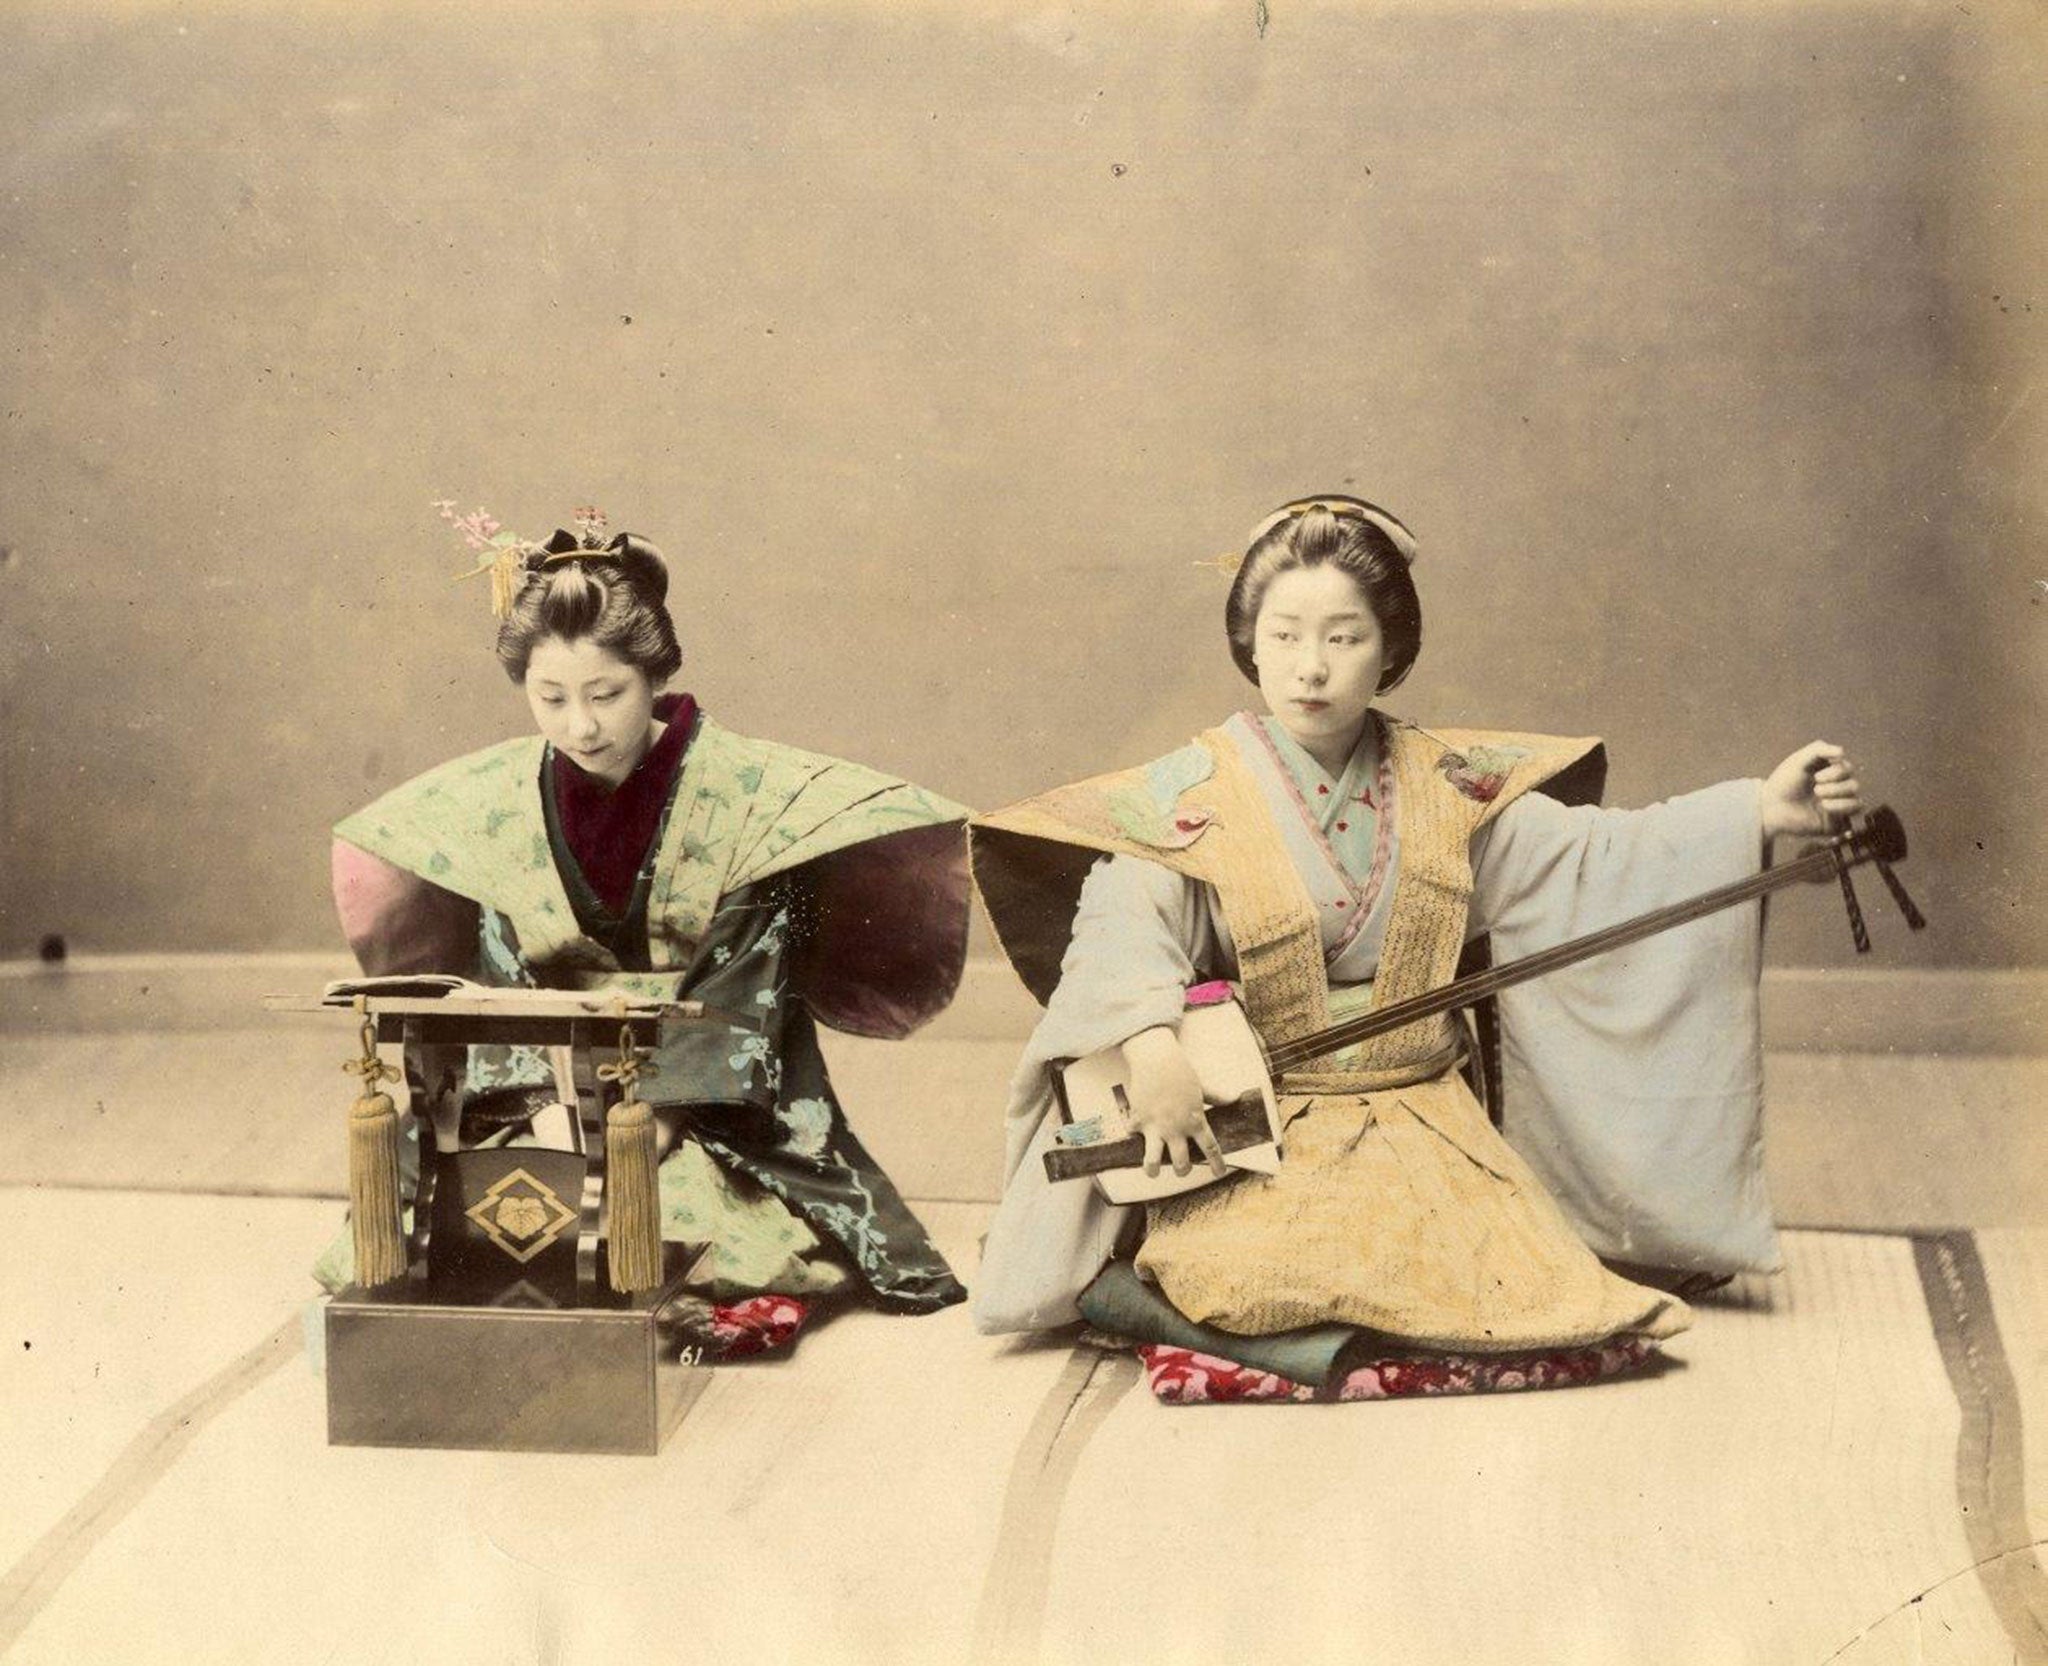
<point>1817,863</point>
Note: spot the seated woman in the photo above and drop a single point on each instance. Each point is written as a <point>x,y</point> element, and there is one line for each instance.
<point>1330,858</point>
<point>635,845</point>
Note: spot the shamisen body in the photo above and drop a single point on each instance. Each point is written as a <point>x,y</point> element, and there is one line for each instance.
<point>1326,858</point>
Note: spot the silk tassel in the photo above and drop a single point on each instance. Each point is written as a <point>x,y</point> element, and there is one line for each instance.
<point>374,1221</point>
<point>373,1190</point>
<point>632,1196</point>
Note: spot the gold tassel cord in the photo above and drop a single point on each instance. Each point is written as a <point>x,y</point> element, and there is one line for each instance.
<point>632,1186</point>
<point>506,563</point>
<point>506,560</point>
<point>373,1169</point>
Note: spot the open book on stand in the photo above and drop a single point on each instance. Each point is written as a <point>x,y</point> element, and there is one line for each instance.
<point>446,993</point>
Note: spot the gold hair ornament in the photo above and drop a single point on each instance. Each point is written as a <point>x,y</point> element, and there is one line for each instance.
<point>508,558</point>
<point>1345,508</point>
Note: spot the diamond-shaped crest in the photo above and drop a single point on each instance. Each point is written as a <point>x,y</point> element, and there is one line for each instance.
<point>521,1215</point>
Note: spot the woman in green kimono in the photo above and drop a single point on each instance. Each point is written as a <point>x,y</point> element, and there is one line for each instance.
<point>1329,859</point>
<point>636,845</point>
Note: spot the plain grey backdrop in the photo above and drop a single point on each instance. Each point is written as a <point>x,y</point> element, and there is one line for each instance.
<point>1699,344</point>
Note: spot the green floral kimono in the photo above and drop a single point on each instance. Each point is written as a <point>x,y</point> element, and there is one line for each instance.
<point>782,888</point>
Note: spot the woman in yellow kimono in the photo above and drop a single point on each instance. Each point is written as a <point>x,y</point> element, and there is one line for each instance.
<point>1330,858</point>
<point>635,844</point>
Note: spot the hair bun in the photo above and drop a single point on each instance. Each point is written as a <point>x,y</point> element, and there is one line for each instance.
<point>1342,506</point>
<point>613,594</point>
<point>640,564</point>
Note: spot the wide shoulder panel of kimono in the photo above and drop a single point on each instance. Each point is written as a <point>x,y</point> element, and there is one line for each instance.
<point>472,825</point>
<point>881,865</point>
<point>1029,860</point>
<point>1494,767</point>
<point>795,806</point>
<point>411,867</point>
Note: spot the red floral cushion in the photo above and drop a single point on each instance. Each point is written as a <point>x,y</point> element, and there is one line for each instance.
<point>1182,1377</point>
<point>758,1325</point>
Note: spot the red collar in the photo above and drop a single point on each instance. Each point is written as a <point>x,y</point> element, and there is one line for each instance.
<point>608,829</point>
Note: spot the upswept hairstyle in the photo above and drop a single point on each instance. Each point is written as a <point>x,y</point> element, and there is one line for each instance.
<point>1317,535</point>
<point>612,597</point>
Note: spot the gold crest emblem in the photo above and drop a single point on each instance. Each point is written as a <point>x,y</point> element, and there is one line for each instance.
<point>521,1215</point>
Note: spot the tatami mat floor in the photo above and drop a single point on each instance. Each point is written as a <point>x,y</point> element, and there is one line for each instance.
<point>1834,1466</point>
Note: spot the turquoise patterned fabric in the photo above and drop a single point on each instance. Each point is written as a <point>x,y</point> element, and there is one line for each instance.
<point>757,1098</point>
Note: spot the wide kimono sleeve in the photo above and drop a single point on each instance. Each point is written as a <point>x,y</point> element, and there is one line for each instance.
<point>1633,1082</point>
<point>395,921</point>
<point>1139,933</point>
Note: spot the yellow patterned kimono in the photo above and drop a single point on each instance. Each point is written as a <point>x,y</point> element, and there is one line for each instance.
<point>1398,1207</point>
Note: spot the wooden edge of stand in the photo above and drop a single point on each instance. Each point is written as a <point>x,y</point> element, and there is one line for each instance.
<point>569,1007</point>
